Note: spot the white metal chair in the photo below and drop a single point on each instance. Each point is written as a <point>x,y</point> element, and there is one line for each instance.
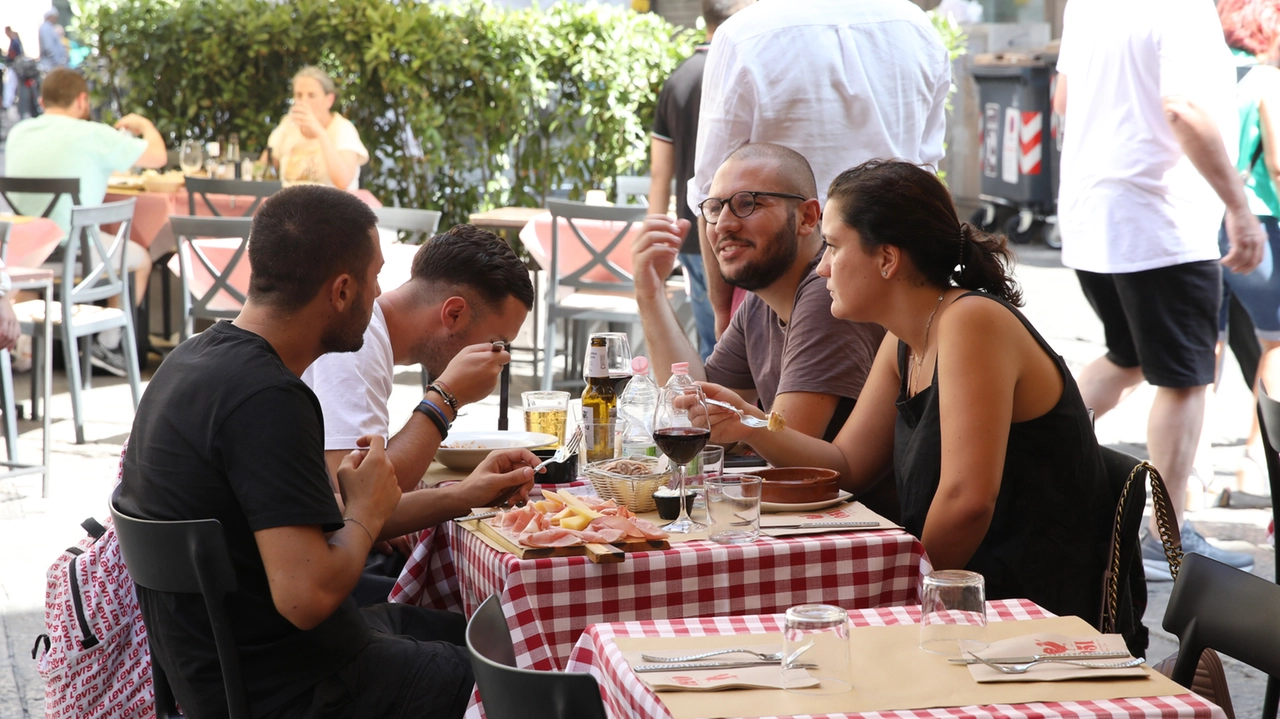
<point>577,297</point>
<point>418,226</point>
<point>91,272</point>
<point>221,300</point>
<point>631,191</point>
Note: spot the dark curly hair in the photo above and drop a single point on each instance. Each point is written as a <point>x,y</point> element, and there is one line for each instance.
<point>891,202</point>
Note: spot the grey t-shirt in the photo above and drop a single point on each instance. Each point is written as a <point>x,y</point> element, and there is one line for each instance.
<point>815,352</point>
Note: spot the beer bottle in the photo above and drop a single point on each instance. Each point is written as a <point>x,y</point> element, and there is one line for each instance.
<point>599,404</point>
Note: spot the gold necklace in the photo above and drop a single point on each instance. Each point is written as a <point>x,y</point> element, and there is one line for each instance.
<point>918,361</point>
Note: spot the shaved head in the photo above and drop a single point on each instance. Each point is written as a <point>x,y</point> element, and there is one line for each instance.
<point>793,171</point>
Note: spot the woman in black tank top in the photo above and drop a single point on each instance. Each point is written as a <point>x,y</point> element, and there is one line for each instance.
<point>990,445</point>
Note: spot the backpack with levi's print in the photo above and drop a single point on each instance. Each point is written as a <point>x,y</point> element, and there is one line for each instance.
<point>96,662</point>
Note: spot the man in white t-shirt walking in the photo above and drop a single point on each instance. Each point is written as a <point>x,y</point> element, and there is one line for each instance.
<point>837,81</point>
<point>1146,172</point>
<point>467,291</point>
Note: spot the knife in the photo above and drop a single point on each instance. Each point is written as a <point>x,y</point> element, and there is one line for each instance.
<point>821,525</point>
<point>485,515</point>
<point>695,666</point>
<point>1041,657</point>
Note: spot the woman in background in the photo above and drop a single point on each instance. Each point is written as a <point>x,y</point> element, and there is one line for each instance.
<point>314,144</point>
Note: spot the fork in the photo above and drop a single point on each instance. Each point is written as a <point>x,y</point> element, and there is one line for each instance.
<point>1024,668</point>
<point>569,448</point>
<point>774,657</point>
<point>566,450</point>
<point>742,416</point>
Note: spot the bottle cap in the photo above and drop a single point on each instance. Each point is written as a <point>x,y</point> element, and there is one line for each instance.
<point>680,368</point>
<point>640,365</point>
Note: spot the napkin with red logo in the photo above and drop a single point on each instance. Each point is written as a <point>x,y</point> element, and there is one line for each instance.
<point>1057,646</point>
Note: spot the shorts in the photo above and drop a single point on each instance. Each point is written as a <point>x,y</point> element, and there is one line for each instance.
<point>1163,320</point>
<point>416,664</point>
<point>1258,291</point>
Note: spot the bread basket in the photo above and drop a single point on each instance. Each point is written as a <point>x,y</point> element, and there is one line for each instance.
<point>635,492</point>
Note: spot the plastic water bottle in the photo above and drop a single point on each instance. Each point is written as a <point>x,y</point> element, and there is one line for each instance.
<point>636,406</point>
<point>680,376</point>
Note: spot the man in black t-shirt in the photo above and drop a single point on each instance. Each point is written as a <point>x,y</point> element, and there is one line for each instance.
<point>227,430</point>
<point>671,155</point>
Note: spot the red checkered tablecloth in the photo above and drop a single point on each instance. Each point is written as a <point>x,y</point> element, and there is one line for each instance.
<point>550,601</point>
<point>627,697</point>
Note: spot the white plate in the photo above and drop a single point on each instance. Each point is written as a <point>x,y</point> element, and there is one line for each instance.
<point>772,507</point>
<point>466,450</point>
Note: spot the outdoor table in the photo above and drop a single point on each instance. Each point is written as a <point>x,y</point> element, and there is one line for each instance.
<point>627,697</point>
<point>31,239</point>
<point>505,219</point>
<point>550,601</point>
<point>151,214</point>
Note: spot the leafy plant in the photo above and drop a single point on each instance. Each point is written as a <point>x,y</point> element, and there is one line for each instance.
<point>463,107</point>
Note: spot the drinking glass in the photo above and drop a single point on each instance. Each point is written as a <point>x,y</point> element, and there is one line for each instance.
<point>733,508</point>
<point>816,634</point>
<point>953,615</point>
<point>617,358</point>
<point>681,429</point>
<point>190,157</point>
<point>708,463</point>
<point>546,412</point>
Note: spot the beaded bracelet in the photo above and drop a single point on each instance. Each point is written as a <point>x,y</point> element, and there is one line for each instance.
<point>436,415</point>
<point>443,390</point>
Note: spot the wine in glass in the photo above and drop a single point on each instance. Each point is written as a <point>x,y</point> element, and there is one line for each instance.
<point>190,157</point>
<point>681,429</point>
<point>617,359</point>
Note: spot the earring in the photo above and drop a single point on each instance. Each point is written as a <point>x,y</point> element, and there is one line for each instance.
<point>884,273</point>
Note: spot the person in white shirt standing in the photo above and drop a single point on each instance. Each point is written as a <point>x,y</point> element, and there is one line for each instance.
<point>1146,172</point>
<point>839,82</point>
<point>313,143</point>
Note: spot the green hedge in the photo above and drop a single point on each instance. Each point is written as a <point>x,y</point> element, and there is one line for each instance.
<point>451,100</point>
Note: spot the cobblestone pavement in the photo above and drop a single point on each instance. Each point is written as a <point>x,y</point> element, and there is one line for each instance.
<point>33,530</point>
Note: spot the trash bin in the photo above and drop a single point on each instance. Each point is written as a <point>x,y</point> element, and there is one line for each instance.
<point>1020,151</point>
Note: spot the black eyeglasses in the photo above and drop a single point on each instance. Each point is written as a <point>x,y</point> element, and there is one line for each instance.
<point>741,204</point>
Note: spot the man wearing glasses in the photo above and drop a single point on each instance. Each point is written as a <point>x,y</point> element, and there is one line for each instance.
<point>782,350</point>
<point>839,82</point>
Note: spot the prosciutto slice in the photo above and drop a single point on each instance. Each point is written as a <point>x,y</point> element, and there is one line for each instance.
<point>532,528</point>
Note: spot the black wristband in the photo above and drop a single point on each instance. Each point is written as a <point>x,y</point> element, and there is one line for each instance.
<point>433,413</point>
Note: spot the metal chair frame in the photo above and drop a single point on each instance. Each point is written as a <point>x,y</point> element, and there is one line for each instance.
<point>238,188</point>
<point>185,557</point>
<point>186,229</point>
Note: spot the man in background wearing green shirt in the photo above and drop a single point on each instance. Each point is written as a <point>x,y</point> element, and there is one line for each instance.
<point>64,142</point>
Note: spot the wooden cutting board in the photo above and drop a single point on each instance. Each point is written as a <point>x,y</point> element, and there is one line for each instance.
<point>598,553</point>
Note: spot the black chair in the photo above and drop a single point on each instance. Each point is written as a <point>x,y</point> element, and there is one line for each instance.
<point>221,300</point>
<point>1269,424</point>
<point>1215,606</point>
<point>188,557</point>
<point>511,693</point>
<point>1126,577</point>
<point>55,186</point>
<point>240,188</point>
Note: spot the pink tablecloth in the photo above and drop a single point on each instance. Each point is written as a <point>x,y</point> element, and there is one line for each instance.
<point>626,697</point>
<point>549,602</point>
<point>151,214</point>
<point>31,240</point>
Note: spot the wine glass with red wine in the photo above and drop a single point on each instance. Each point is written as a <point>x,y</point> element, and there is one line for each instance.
<point>681,429</point>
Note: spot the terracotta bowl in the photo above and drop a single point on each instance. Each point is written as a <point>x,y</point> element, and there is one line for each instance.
<point>797,485</point>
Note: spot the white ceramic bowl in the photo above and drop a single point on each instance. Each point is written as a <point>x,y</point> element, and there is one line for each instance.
<point>463,451</point>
